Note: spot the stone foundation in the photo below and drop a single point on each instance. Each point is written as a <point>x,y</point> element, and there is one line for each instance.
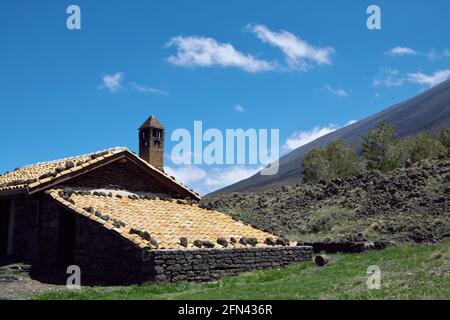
<point>211,264</point>
<point>347,246</point>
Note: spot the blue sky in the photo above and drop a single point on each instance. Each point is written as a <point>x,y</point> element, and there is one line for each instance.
<point>305,67</point>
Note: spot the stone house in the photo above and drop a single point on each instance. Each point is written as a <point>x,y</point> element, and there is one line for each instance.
<point>121,219</point>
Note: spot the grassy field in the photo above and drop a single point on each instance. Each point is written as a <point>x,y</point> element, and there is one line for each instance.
<point>407,272</point>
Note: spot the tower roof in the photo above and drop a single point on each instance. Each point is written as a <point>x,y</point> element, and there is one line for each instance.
<point>151,122</point>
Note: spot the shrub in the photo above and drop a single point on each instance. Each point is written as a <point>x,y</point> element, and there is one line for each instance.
<point>316,166</point>
<point>376,147</point>
<point>324,219</point>
<point>335,160</point>
<point>423,146</point>
<point>380,151</point>
<point>415,148</point>
<point>444,138</point>
<point>343,160</point>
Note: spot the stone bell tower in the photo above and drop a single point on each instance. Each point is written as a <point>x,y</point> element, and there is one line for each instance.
<point>151,142</point>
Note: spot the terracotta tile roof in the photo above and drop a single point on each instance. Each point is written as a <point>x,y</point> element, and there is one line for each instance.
<point>36,175</point>
<point>154,222</point>
<point>45,171</point>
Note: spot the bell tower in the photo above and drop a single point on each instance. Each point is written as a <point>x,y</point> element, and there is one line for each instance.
<point>151,142</point>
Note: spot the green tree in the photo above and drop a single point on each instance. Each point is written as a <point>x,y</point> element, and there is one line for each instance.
<point>315,166</point>
<point>424,146</point>
<point>444,138</point>
<point>343,159</point>
<point>376,147</point>
<point>399,154</point>
<point>334,161</point>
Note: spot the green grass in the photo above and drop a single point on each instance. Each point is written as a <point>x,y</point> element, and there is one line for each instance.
<point>408,272</point>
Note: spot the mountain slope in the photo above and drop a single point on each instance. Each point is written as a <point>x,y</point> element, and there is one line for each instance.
<point>429,110</point>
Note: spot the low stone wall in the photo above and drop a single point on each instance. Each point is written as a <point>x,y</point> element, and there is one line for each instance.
<point>347,246</point>
<point>211,264</point>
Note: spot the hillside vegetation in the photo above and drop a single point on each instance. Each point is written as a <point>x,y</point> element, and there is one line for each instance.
<point>397,189</point>
<point>380,151</point>
<point>406,204</point>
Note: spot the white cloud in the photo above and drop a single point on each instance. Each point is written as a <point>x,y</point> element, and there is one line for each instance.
<point>186,174</point>
<point>300,138</point>
<point>430,80</point>
<point>239,108</point>
<point>299,54</point>
<point>433,55</point>
<point>113,82</point>
<point>206,181</point>
<point>145,89</point>
<point>391,78</point>
<point>336,91</point>
<point>388,77</point>
<point>183,158</point>
<point>221,177</point>
<point>406,51</point>
<point>207,52</point>
<point>402,51</point>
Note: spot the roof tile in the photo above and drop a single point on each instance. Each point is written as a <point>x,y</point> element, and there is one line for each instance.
<point>41,172</point>
<point>164,221</point>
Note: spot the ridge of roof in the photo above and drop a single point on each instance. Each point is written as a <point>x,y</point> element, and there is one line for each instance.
<point>43,172</point>
<point>114,149</point>
<point>48,173</point>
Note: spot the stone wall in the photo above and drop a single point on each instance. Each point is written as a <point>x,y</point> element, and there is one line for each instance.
<point>104,256</point>
<point>36,232</point>
<point>49,234</point>
<point>25,237</point>
<point>347,246</point>
<point>35,228</point>
<point>211,264</point>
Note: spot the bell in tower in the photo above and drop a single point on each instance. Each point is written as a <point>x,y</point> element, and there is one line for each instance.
<point>151,142</point>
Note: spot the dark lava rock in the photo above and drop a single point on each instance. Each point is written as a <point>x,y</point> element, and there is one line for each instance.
<point>184,241</point>
<point>243,241</point>
<point>146,236</point>
<point>223,242</point>
<point>282,242</point>
<point>154,242</point>
<point>198,243</point>
<point>252,241</point>
<point>208,244</point>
